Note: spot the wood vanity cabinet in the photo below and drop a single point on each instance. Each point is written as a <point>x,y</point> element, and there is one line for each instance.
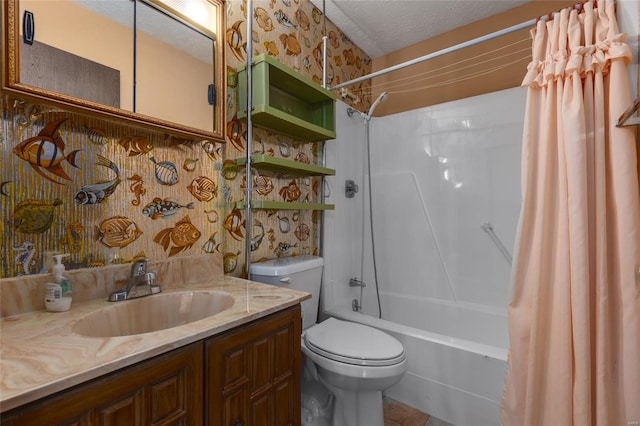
<point>253,373</point>
<point>165,390</point>
<point>249,375</point>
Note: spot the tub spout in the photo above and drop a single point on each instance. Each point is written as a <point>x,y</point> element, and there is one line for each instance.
<point>354,282</point>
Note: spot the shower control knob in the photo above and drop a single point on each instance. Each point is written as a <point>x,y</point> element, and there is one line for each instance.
<point>350,189</point>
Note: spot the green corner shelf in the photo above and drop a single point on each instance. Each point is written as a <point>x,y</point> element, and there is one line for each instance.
<point>285,205</point>
<point>286,102</point>
<point>282,165</point>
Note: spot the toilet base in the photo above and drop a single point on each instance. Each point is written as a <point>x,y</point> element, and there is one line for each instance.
<point>317,401</point>
<point>356,408</point>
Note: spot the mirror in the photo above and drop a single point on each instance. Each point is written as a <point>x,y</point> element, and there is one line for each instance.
<point>139,60</point>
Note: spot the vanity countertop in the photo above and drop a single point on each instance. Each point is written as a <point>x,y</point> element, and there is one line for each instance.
<point>40,354</point>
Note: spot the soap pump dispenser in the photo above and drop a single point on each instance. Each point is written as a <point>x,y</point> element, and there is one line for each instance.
<point>58,294</point>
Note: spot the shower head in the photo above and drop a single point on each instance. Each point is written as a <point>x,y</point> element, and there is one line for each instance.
<point>381,98</point>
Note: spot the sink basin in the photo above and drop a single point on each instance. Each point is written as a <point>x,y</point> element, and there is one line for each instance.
<point>153,313</point>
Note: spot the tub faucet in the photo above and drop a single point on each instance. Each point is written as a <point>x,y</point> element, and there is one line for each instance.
<point>354,282</point>
<point>140,283</point>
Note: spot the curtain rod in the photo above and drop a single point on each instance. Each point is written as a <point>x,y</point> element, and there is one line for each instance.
<point>477,40</point>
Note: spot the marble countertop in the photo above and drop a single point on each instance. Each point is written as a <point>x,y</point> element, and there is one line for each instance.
<point>40,354</point>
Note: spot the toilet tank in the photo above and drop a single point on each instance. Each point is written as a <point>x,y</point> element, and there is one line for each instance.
<point>302,273</point>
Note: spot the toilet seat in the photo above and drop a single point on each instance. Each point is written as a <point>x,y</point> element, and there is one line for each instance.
<point>353,343</point>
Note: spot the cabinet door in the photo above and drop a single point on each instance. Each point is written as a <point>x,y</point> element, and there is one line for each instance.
<point>253,373</point>
<point>166,390</point>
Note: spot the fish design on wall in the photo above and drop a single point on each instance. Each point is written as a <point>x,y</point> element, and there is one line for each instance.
<point>117,231</point>
<point>136,145</point>
<point>166,208</point>
<point>303,20</point>
<point>283,223</point>
<point>2,185</point>
<point>230,262</point>
<point>229,169</point>
<point>212,150</point>
<point>189,164</point>
<point>285,149</point>
<point>263,19</point>
<point>34,216</point>
<point>45,152</point>
<point>166,172</point>
<point>100,191</point>
<point>212,215</point>
<point>317,54</point>
<point>302,158</point>
<point>284,249</point>
<point>175,142</point>
<point>25,256</point>
<point>316,15</point>
<point>234,224</point>
<point>291,45</point>
<point>212,245</point>
<point>137,187</point>
<point>349,56</point>
<point>116,140</point>
<point>235,135</point>
<point>290,192</point>
<point>203,188</point>
<point>283,19</point>
<point>271,48</point>
<point>72,238</point>
<point>256,240</point>
<point>234,40</point>
<point>333,39</point>
<point>302,232</point>
<point>179,238</point>
<point>263,185</point>
<point>96,136</point>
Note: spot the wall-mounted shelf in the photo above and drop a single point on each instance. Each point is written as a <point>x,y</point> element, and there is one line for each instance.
<point>286,102</point>
<point>282,165</point>
<point>284,205</point>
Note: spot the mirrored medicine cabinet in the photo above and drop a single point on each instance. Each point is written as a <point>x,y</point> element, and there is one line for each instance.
<point>144,61</point>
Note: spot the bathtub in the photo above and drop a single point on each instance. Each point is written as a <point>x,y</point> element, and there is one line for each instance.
<point>457,355</point>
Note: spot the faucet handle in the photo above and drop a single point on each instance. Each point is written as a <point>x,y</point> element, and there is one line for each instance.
<point>139,268</point>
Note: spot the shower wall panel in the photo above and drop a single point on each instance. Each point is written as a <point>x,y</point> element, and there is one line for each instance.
<point>438,174</point>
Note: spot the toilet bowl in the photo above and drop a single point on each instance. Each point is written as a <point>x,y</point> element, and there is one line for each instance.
<point>356,363</point>
<point>353,361</point>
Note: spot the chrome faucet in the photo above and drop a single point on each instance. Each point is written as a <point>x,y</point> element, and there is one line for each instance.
<point>140,283</point>
<point>354,282</point>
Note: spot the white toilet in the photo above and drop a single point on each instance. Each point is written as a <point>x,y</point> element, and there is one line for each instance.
<point>355,362</point>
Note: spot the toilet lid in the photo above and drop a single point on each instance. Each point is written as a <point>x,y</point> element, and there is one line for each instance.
<point>353,343</point>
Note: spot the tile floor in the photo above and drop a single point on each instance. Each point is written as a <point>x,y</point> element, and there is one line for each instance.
<point>399,414</point>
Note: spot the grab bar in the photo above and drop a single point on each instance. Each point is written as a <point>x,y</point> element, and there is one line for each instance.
<point>488,228</point>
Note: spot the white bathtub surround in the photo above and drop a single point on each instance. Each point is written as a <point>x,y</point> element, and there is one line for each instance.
<point>439,174</point>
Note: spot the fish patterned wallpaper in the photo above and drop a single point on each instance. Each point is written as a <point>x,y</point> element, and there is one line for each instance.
<point>100,191</point>
<point>291,31</point>
<point>107,193</point>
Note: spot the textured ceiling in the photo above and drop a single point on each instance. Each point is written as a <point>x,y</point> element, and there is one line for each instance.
<point>380,27</point>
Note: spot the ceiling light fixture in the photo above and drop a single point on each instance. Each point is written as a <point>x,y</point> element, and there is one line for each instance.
<point>200,12</point>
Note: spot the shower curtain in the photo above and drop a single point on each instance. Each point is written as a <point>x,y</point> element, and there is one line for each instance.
<point>574,312</point>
